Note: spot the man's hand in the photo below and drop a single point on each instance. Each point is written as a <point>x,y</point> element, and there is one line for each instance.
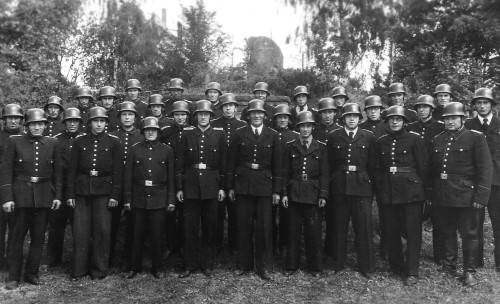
<point>276,198</point>
<point>231,195</point>
<point>8,206</point>
<point>284,201</point>
<point>170,207</point>
<point>477,206</point>
<point>70,202</point>
<point>321,202</point>
<point>180,196</point>
<point>222,195</point>
<point>112,203</point>
<point>56,204</point>
<point>127,207</point>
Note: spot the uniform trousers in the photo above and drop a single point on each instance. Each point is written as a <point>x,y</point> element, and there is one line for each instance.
<point>199,252</point>
<point>6,221</point>
<point>463,220</point>
<point>226,211</point>
<point>437,237</point>
<point>359,209</point>
<point>494,213</point>
<point>174,234</point>
<point>58,220</point>
<point>116,220</point>
<point>407,219</point>
<point>91,235</point>
<point>151,221</point>
<point>253,216</point>
<point>35,221</point>
<point>279,227</point>
<point>307,216</point>
<point>329,216</point>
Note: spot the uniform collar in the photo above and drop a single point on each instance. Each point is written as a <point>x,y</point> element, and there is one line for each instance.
<point>57,118</point>
<point>398,135</point>
<point>131,132</point>
<point>98,137</point>
<point>489,117</point>
<point>9,132</point>
<point>457,134</point>
<point>229,119</point>
<point>151,144</point>
<point>72,135</point>
<point>33,139</point>
<point>207,131</point>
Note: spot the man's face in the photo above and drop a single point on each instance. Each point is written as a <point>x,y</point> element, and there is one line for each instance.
<point>176,94</point>
<point>127,119</point>
<point>373,113</point>
<point>203,119</point>
<point>395,123</point>
<point>213,95</point>
<point>327,117</point>
<point>107,102</point>
<point>339,101</point>
<point>282,121</point>
<point>483,106</point>
<point>443,98</point>
<point>12,123</point>
<point>452,123</point>
<point>351,121</point>
<point>424,111</point>
<point>97,125</point>
<point>397,99</point>
<point>53,111</point>
<point>133,94</point>
<point>262,95</point>
<point>84,101</point>
<point>305,130</point>
<point>150,134</point>
<point>180,118</point>
<point>301,100</point>
<point>229,110</point>
<point>256,118</point>
<point>72,125</point>
<point>36,128</point>
<point>156,110</point>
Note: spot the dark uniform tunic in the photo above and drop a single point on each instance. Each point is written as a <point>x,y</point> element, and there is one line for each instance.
<point>378,127</point>
<point>60,218</point>
<point>321,131</point>
<point>94,176</point>
<point>164,121</point>
<point>32,178</point>
<point>54,127</point>
<point>200,175</point>
<point>461,174</point>
<point>114,121</point>
<point>306,179</point>
<point>255,167</point>
<point>401,175</point>
<point>492,133</point>
<point>149,188</point>
<point>229,125</point>
<point>84,113</point>
<point>217,108</point>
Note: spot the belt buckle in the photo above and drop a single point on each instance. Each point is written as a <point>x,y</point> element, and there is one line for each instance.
<point>254,166</point>
<point>202,166</point>
<point>351,168</point>
<point>393,169</point>
<point>444,176</point>
<point>94,173</point>
<point>34,179</point>
<point>304,177</point>
<point>148,183</point>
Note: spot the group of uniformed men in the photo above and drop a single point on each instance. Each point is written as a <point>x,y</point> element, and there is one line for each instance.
<point>177,169</point>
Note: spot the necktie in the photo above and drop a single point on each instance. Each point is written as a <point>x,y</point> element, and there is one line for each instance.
<point>301,108</point>
<point>351,135</point>
<point>485,124</point>
<point>304,145</point>
<point>256,133</point>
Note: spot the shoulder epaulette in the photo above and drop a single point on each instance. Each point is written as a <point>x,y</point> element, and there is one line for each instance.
<point>440,122</point>
<point>218,129</point>
<point>290,141</point>
<point>144,102</point>
<point>114,136</point>
<point>165,127</point>
<point>320,142</point>
<point>241,127</point>
<point>15,135</point>
<point>414,133</point>
<point>295,132</point>
<point>477,131</point>
<point>383,136</point>
<point>83,134</point>
<point>135,144</point>
<point>412,111</point>
<point>273,130</point>
<point>59,134</point>
<point>188,129</point>
<point>368,131</point>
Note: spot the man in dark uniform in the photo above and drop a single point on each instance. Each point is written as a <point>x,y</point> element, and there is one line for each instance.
<point>403,165</point>
<point>85,102</point>
<point>282,120</point>
<point>254,181</point>
<point>133,89</point>
<point>171,136</point>
<point>489,125</point>
<point>59,219</point>
<point>54,110</point>
<point>175,90</point>
<point>12,116</point>
<point>229,123</point>
<point>373,108</point>
<point>442,93</point>
<point>261,91</point>
<point>305,189</point>
<point>327,113</point>
<point>156,106</point>
<point>213,93</point>
<point>461,178</point>
<point>352,163</point>
<point>300,99</point>
<point>30,185</point>
<point>339,97</point>
<point>107,99</point>
<point>200,174</point>
<point>128,136</point>
<point>93,187</point>
<point>397,95</point>
<point>427,127</point>
<point>148,192</point>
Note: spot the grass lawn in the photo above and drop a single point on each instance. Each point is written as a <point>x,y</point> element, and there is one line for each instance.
<point>224,287</point>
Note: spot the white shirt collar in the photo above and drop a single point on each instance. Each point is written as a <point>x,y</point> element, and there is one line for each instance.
<point>297,108</point>
<point>488,117</point>
<point>347,131</point>
<point>258,129</point>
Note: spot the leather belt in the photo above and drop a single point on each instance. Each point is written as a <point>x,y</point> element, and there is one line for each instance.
<point>149,183</point>
<point>255,166</point>
<point>304,177</point>
<point>95,173</point>
<point>395,169</point>
<point>454,176</point>
<point>33,179</point>
<point>201,167</point>
<point>351,168</point>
